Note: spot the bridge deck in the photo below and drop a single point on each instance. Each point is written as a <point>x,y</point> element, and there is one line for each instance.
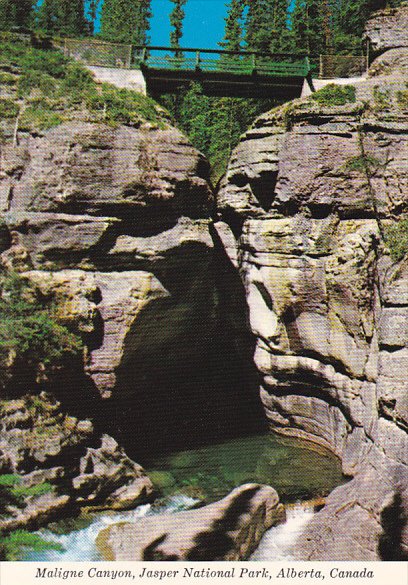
<point>223,72</point>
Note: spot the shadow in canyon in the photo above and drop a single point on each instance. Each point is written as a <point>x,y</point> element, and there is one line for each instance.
<point>187,377</point>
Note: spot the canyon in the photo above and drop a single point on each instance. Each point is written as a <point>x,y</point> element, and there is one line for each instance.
<point>185,301</point>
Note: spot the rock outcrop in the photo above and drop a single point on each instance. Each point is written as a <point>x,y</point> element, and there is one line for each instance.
<point>310,195</point>
<point>110,221</point>
<point>227,530</point>
<point>41,443</point>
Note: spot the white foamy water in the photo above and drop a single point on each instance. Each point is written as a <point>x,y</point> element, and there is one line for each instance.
<point>278,543</point>
<point>79,545</point>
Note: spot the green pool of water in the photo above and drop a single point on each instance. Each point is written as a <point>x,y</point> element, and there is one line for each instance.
<point>296,469</point>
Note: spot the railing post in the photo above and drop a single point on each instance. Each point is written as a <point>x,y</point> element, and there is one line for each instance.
<point>198,61</point>
<point>368,56</point>
<point>307,64</point>
<point>253,62</point>
<point>144,55</point>
<point>321,66</point>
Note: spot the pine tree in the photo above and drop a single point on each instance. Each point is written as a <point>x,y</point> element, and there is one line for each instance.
<point>233,26</point>
<point>299,27</point>
<point>62,17</point>
<point>92,14</point>
<point>259,24</point>
<point>280,40</point>
<point>15,14</point>
<point>176,21</point>
<point>126,21</point>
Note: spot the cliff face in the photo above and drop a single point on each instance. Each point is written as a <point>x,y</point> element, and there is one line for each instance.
<point>111,222</point>
<point>310,194</point>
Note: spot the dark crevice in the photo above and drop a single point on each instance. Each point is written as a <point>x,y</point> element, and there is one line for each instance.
<point>263,188</point>
<point>393,522</point>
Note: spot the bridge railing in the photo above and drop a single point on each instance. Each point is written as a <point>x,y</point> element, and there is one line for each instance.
<point>213,61</point>
<point>115,55</point>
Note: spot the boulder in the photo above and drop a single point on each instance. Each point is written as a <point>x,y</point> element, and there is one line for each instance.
<point>227,530</point>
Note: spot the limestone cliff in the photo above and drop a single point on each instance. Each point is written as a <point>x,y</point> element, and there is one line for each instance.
<point>110,220</point>
<point>310,194</point>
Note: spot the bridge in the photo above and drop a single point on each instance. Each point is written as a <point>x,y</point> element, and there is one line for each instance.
<point>224,73</point>
<point>220,72</point>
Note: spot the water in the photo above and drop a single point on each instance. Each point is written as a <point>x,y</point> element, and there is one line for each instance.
<point>297,470</point>
<point>79,544</point>
<point>277,544</point>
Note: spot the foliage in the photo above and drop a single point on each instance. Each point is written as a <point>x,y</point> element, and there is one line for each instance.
<point>125,22</point>
<point>382,99</point>
<point>29,331</point>
<point>361,163</point>
<point>214,125</point>
<point>176,22</point>
<point>402,99</point>
<point>62,17</point>
<point>52,87</point>
<point>233,26</point>
<point>13,545</point>
<point>396,239</point>
<point>335,95</point>
<point>16,14</point>
<point>13,482</point>
<point>8,108</point>
<point>123,106</point>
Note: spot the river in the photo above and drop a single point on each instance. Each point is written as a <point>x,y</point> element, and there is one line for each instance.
<point>299,471</point>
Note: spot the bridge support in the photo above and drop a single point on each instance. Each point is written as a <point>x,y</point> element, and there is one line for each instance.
<point>122,78</point>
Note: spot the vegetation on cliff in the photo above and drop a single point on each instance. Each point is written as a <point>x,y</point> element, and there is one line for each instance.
<point>44,88</point>
<point>32,340</point>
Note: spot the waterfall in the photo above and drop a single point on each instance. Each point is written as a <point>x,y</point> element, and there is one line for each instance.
<point>278,543</point>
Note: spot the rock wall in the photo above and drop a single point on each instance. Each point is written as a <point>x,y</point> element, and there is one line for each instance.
<point>309,195</point>
<point>113,224</point>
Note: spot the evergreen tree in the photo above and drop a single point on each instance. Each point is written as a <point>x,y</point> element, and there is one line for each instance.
<point>92,14</point>
<point>280,41</point>
<point>233,26</point>
<point>176,21</point>
<point>260,25</point>
<point>299,27</point>
<point>15,14</point>
<point>62,17</point>
<point>126,21</point>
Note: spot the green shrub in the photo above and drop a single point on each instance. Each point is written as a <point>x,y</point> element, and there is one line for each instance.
<point>396,239</point>
<point>39,118</point>
<point>29,329</point>
<point>13,483</point>
<point>361,163</point>
<point>7,78</point>
<point>13,545</point>
<point>122,105</point>
<point>402,99</point>
<point>43,82</point>
<point>9,479</point>
<point>335,95</point>
<point>60,85</point>
<point>382,99</point>
<point>8,108</point>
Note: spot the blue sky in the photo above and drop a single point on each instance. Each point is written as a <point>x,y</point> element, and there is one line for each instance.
<point>203,24</point>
